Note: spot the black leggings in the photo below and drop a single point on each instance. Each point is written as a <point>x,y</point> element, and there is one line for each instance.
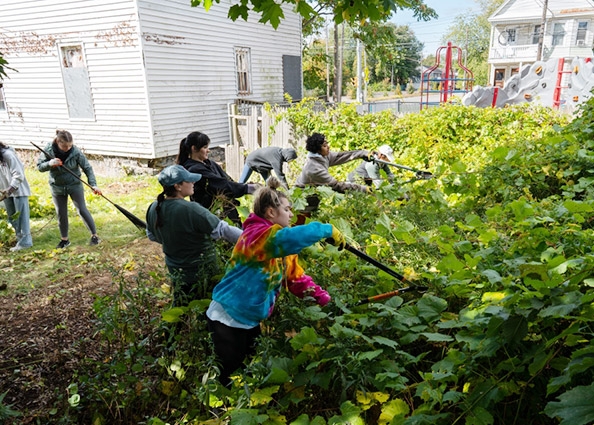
<point>232,346</point>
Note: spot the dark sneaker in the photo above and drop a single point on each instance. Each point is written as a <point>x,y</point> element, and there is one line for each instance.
<point>94,240</point>
<point>63,244</point>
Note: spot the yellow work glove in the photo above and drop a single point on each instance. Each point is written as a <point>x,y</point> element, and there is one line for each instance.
<point>337,239</point>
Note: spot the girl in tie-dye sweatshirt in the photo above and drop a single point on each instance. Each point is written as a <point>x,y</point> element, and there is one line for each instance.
<point>263,261</point>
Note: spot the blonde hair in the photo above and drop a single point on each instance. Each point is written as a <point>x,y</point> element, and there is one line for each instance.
<point>268,197</point>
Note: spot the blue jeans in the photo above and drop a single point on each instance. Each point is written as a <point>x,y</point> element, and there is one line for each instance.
<point>20,221</point>
<point>247,172</point>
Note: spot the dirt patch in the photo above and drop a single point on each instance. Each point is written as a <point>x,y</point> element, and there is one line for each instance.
<point>46,332</point>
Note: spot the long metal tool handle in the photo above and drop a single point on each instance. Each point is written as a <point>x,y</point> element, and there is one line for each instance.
<point>385,295</point>
<point>420,174</point>
<point>404,167</point>
<point>376,263</point>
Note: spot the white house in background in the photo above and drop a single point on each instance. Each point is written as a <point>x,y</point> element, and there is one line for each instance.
<point>130,78</point>
<point>516,27</point>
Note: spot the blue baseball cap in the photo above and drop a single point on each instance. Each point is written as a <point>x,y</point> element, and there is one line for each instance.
<point>176,174</point>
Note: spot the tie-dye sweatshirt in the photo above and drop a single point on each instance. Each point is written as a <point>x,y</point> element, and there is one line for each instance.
<point>254,275</point>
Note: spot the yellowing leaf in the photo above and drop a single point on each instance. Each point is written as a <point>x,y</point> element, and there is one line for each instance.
<point>167,388</point>
<point>493,296</point>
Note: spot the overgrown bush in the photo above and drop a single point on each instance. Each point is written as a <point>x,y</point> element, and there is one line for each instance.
<point>501,236</point>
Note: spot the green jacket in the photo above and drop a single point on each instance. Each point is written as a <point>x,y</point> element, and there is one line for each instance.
<point>61,181</point>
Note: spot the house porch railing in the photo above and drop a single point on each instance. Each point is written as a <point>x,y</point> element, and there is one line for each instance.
<point>516,53</point>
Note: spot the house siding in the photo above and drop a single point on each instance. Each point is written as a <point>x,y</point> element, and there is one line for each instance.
<point>157,70</point>
<point>32,32</point>
<point>521,16</point>
<point>190,64</point>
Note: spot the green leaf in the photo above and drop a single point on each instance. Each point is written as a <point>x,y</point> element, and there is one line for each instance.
<point>479,416</point>
<point>385,341</point>
<point>492,275</point>
<point>430,307</point>
<point>436,337</point>
<point>577,206</point>
<point>306,336</point>
<point>575,407</point>
<point>392,409</point>
<point>450,263</point>
<point>173,314</point>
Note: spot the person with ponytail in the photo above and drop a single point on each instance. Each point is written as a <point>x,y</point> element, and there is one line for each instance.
<point>264,261</point>
<point>186,231</point>
<point>63,184</point>
<point>15,192</point>
<point>215,184</point>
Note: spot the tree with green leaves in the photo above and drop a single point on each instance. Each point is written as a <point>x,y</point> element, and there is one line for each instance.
<point>471,32</point>
<point>349,11</point>
<point>396,56</point>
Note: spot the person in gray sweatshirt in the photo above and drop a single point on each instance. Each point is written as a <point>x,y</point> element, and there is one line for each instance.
<point>264,160</point>
<point>15,192</point>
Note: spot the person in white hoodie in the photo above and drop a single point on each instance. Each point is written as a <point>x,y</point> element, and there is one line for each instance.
<point>15,192</point>
<point>369,171</point>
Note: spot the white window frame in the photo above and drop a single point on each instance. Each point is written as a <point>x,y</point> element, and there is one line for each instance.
<point>79,97</point>
<point>536,34</point>
<point>582,30</point>
<point>243,72</point>
<point>558,35</point>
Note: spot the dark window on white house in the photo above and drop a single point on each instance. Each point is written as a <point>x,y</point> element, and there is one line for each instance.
<point>2,101</point>
<point>511,36</point>
<point>558,34</point>
<point>292,76</point>
<point>242,69</point>
<point>580,39</point>
<point>536,34</point>
<point>77,85</point>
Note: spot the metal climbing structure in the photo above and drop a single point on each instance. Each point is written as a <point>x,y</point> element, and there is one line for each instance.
<point>448,82</point>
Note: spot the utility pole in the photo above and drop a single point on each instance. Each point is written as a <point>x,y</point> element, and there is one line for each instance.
<point>359,73</point>
<point>543,22</point>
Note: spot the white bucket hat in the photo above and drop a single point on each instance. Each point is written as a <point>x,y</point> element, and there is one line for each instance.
<point>386,150</point>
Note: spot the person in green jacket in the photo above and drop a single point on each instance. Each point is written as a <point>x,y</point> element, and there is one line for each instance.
<point>63,183</point>
<point>187,232</point>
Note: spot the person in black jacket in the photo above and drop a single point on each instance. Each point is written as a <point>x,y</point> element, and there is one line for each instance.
<point>215,184</point>
<point>265,159</point>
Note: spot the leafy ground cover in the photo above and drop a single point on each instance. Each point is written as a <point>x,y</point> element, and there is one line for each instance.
<point>501,236</point>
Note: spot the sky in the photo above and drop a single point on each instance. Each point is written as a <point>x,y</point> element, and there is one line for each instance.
<point>431,32</point>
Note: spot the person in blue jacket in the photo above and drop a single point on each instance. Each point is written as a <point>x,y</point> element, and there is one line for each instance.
<point>65,184</point>
<point>263,261</point>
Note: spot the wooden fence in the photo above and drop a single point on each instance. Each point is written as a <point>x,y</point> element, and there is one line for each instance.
<point>252,127</point>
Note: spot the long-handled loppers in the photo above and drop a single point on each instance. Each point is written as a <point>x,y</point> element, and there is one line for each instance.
<point>135,220</point>
<point>388,270</point>
<point>419,174</point>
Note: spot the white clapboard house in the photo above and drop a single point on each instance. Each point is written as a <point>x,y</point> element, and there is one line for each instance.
<point>130,78</point>
<point>516,27</point>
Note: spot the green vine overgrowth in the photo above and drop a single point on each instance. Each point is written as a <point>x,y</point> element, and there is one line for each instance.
<point>501,235</point>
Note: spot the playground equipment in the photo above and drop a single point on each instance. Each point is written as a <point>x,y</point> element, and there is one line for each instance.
<point>557,83</point>
<point>447,83</point>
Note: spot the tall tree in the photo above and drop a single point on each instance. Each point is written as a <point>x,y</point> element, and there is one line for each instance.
<point>349,11</point>
<point>471,32</point>
<point>395,55</point>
